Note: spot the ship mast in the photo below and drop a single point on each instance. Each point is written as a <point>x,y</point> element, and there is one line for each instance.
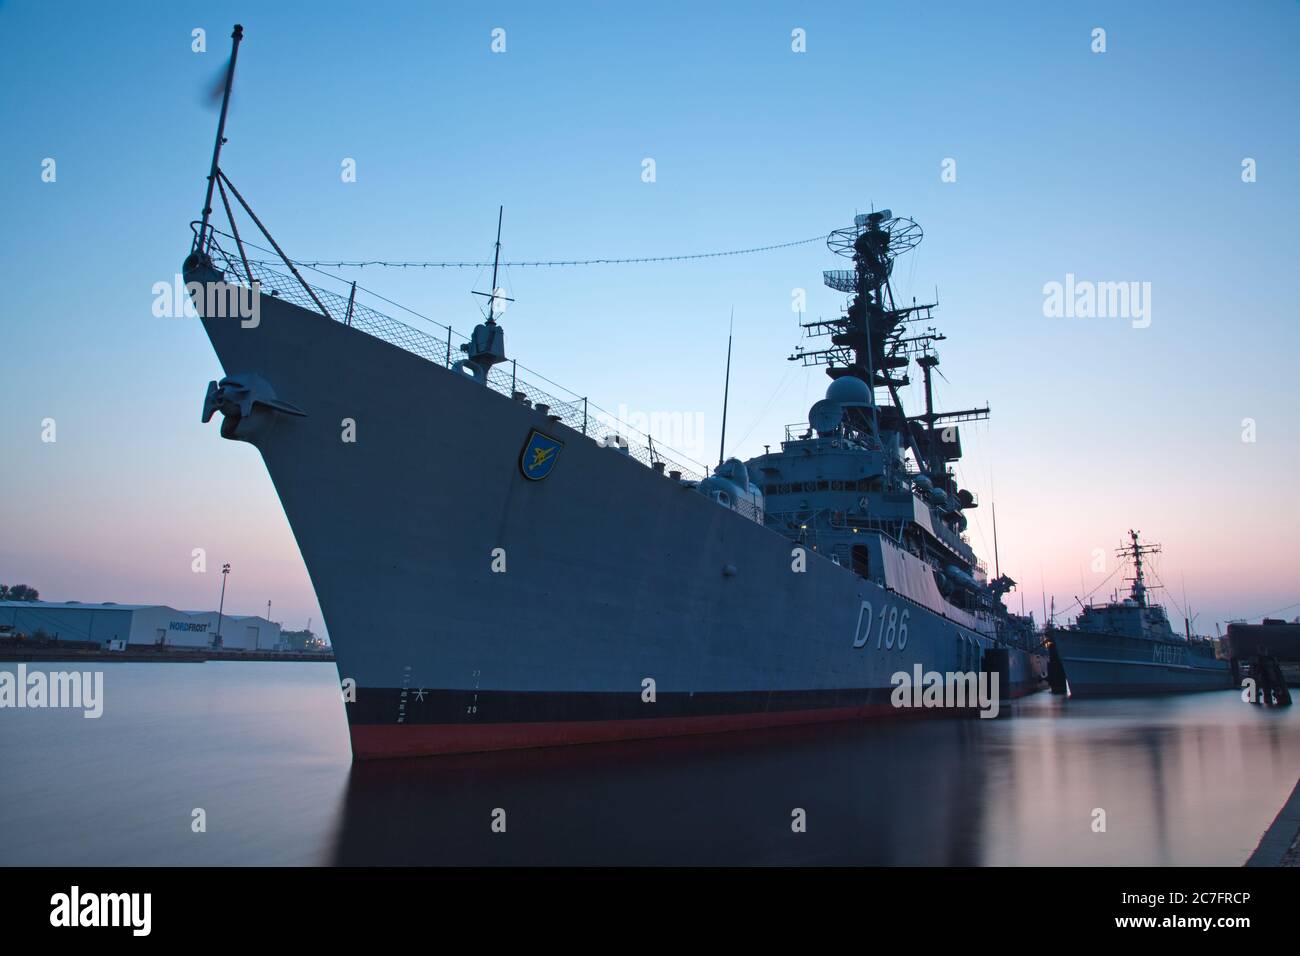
<point>1136,550</point>
<point>868,340</point>
<point>496,262</point>
<point>726,389</point>
<point>865,339</point>
<point>201,240</point>
<point>486,346</point>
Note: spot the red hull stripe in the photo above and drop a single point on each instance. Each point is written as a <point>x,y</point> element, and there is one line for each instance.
<point>377,741</point>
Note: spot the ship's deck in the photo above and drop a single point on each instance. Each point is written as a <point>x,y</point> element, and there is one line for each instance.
<point>510,378</point>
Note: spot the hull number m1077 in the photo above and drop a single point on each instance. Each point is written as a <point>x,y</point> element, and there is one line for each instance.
<point>1167,654</point>
<point>891,627</point>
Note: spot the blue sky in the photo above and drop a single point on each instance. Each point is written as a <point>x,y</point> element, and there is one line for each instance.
<point>1119,166</point>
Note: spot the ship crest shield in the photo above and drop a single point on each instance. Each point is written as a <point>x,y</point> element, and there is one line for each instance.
<point>538,458</point>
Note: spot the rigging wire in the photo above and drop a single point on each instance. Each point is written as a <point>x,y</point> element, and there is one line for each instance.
<point>977,430</point>
<point>592,406</point>
<point>1271,613</point>
<point>911,274</point>
<point>539,263</point>
<point>1169,594</point>
<point>771,398</point>
<point>1078,602</point>
<point>961,477</point>
<point>275,263</point>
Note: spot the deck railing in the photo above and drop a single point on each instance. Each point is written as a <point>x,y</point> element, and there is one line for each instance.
<point>445,350</point>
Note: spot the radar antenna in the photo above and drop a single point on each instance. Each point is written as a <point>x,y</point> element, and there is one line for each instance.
<point>866,340</point>
<point>875,339</point>
<point>1136,550</point>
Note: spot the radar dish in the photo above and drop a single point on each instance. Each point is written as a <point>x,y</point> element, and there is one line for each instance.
<point>841,280</point>
<point>825,416</point>
<point>904,234</point>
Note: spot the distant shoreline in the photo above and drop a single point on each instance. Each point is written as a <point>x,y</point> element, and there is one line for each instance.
<point>170,655</point>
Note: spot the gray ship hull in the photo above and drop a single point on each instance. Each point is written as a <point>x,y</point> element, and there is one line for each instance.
<point>620,603</point>
<point>1110,665</point>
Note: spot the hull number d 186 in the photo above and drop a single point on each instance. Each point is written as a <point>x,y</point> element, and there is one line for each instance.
<point>891,627</point>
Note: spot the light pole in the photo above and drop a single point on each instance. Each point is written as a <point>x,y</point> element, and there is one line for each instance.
<point>225,570</point>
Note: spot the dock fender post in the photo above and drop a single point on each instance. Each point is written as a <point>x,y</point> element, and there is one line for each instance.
<point>1057,679</point>
<point>997,660</point>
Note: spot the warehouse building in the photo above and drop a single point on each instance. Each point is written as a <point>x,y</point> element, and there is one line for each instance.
<point>136,624</point>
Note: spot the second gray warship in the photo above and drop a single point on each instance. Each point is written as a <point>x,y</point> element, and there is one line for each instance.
<point>1128,646</point>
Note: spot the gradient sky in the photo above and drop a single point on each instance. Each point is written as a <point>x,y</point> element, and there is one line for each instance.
<point>1121,166</point>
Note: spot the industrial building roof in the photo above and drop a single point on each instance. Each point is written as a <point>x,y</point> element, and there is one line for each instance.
<point>110,606</point>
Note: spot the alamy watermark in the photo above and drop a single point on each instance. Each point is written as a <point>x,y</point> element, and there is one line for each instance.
<point>953,690</point>
<point>1084,299</point>
<point>221,300</point>
<point>63,689</point>
<point>676,431</point>
<point>75,908</point>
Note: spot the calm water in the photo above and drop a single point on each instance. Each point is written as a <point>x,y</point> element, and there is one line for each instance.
<point>262,747</point>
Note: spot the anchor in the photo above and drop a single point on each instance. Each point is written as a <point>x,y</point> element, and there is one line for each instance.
<point>248,405</point>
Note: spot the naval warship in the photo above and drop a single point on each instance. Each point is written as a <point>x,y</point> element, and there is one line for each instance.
<point>1128,646</point>
<point>498,569</point>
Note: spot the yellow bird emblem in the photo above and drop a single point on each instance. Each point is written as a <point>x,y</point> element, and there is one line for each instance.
<point>540,455</point>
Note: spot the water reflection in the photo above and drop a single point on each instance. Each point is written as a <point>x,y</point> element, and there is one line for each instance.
<point>724,799</point>
<point>1188,780</point>
<point>262,748</point>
